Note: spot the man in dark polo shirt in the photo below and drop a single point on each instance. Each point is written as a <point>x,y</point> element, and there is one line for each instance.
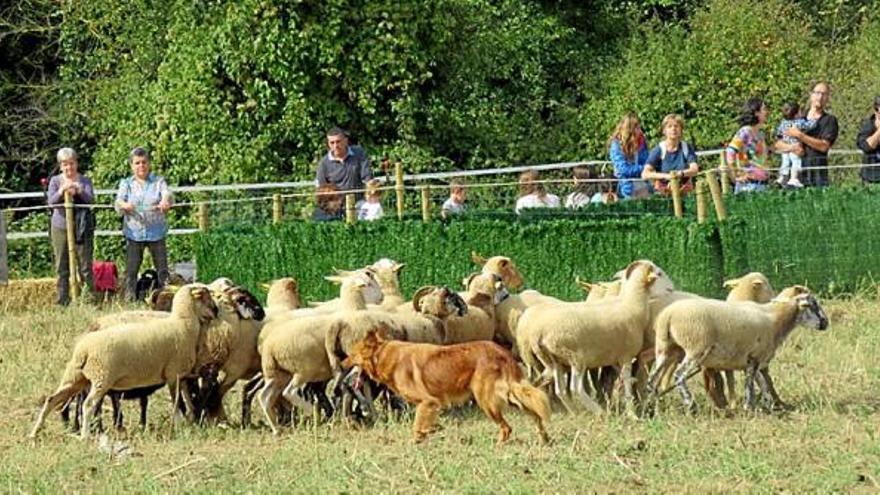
<point>345,167</point>
<point>814,143</point>
<point>869,142</point>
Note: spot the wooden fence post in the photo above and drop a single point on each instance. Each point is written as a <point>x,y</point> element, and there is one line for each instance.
<point>724,173</point>
<point>701,201</point>
<point>203,217</point>
<point>4,263</point>
<point>717,197</point>
<point>398,188</point>
<point>277,209</point>
<point>350,212</point>
<point>426,203</point>
<point>70,225</point>
<point>675,189</point>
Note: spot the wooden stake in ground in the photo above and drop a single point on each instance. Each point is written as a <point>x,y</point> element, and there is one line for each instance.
<point>701,201</point>
<point>277,209</point>
<point>70,224</point>
<point>350,212</point>
<point>398,188</point>
<point>675,188</point>
<point>4,263</point>
<point>426,203</point>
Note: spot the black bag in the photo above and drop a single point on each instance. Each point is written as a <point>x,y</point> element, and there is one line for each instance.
<point>84,223</point>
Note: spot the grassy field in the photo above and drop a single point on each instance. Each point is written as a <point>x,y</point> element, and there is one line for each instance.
<point>829,443</point>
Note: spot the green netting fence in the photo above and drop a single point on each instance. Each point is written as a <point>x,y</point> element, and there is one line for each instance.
<point>824,238</point>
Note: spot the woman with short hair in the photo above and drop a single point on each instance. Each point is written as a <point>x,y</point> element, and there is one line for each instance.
<point>70,179</point>
<point>143,200</point>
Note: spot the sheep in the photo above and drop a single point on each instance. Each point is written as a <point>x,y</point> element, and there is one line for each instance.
<point>387,274</point>
<point>753,287</point>
<point>135,355</point>
<point>581,336</point>
<point>293,351</point>
<point>730,336</point>
<point>599,291</point>
<point>282,296</point>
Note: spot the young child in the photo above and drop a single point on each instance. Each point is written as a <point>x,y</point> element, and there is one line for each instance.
<point>370,208</point>
<point>454,205</point>
<point>533,194</point>
<point>584,191</point>
<point>328,205</point>
<point>791,162</point>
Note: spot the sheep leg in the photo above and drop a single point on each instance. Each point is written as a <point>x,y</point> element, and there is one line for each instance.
<point>626,375</point>
<point>247,398</point>
<point>268,397</point>
<point>290,393</point>
<point>62,395</point>
<point>143,401</point>
<point>774,400</point>
<point>581,390</point>
<point>682,373</point>
<point>91,405</point>
<point>558,380</point>
<point>658,371</point>
<point>751,369</point>
<point>116,402</point>
<point>731,386</point>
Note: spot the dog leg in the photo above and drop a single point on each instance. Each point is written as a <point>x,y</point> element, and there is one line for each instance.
<point>426,420</point>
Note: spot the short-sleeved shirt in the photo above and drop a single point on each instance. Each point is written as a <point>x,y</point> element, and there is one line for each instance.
<point>534,201</point>
<point>146,223</point>
<point>674,160</point>
<point>802,124</point>
<point>348,174</point>
<point>869,155</point>
<point>453,207</point>
<point>825,128</point>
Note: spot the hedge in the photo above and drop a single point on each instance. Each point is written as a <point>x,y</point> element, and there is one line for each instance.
<point>822,238</point>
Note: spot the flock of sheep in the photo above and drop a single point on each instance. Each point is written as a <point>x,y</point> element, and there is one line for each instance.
<point>212,336</point>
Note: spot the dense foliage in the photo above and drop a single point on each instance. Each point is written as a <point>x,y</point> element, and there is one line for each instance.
<point>242,91</point>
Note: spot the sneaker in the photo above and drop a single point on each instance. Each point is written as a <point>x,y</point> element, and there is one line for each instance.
<point>781,180</point>
<point>795,183</point>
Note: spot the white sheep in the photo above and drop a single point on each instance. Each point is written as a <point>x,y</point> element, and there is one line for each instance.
<point>136,355</point>
<point>293,352</point>
<point>580,336</point>
<point>730,336</point>
<point>387,273</point>
<point>282,295</point>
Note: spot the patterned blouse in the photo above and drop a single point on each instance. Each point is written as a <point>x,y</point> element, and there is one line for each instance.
<point>747,148</point>
<point>146,223</point>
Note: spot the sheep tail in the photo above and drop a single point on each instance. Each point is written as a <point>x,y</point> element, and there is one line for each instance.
<point>332,346</point>
<point>74,371</point>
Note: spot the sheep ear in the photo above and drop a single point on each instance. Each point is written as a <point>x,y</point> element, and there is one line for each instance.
<point>650,277</point>
<point>477,259</point>
<point>630,268</point>
<point>503,263</point>
<point>801,289</point>
<point>397,267</point>
<point>757,284</point>
<point>730,284</point>
<point>583,284</point>
<point>467,280</point>
<point>336,279</point>
<point>265,286</point>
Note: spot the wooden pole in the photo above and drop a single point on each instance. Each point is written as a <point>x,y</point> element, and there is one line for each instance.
<point>203,217</point>
<point>717,197</point>
<point>277,209</point>
<point>4,260</point>
<point>350,212</point>
<point>70,225</point>
<point>398,188</point>
<point>701,201</point>
<point>675,188</point>
<point>426,203</point>
<point>724,172</point>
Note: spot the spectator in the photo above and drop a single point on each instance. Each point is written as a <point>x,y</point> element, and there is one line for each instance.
<point>329,204</point>
<point>585,192</point>
<point>869,142</point>
<point>814,143</point>
<point>628,152</point>
<point>532,193</point>
<point>454,205</point>
<point>791,162</point>
<point>143,200</point>
<point>746,154</point>
<point>673,157</point>
<point>83,193</point>
<point>370,208</point>
<point>346,167</point>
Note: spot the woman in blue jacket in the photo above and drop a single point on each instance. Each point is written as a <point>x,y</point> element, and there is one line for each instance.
<point>628,152</point>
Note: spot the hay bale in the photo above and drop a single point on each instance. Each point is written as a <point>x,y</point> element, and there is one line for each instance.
<point>27,295</point>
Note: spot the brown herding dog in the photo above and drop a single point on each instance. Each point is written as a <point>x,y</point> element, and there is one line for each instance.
<point>434,377</point>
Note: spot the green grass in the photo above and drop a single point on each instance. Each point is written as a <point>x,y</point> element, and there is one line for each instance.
<point>829,443</point>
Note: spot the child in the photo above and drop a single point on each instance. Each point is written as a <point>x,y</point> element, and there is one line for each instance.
<point>329,204</point>
<point>370,208</point>
<point>532,193</point>
<point>584,192</point>
<point>454,205</point>
<point>791,162</point>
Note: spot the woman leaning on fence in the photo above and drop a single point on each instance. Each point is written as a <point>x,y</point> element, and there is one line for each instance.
<point>143,200</point>
<point>69,179</point>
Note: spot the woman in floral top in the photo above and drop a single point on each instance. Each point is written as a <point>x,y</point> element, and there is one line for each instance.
<point>746,153</point>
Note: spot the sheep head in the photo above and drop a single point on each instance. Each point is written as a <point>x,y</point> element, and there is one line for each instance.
<point>246,304</point>
<point>485,289</point>
<point>753,287</point>
<point>439,301</point>
<point>502,266</point>
<point>194,300</point>
<point>659,285</point>
<point>282,292</point>
<point>361,281</point>
<point>387,274</point>
<point>810,313</point>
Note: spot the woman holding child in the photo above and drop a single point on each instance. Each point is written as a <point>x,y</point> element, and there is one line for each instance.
<point>746,154</point>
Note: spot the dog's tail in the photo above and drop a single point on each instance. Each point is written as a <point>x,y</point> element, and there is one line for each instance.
<point>524,395</point>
